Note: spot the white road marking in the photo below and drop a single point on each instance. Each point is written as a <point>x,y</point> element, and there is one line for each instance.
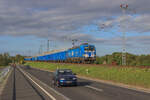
<point>97,89</point>
<point>66,98</point>
<point>53,98</point>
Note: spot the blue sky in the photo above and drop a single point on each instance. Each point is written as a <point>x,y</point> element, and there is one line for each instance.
<point>26,25</point>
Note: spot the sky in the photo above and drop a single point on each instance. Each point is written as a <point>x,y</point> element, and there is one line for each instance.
<point>25,25</point>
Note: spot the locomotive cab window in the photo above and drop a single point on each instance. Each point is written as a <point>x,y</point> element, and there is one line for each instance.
<point>91,48</point>
<point>86,48</point>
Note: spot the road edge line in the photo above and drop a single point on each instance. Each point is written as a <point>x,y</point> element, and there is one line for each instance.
<point>58,93</point>
<point>94,88</point>
<point>48,94</point>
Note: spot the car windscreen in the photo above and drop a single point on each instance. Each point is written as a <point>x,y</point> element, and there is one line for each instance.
<point>65,72</point>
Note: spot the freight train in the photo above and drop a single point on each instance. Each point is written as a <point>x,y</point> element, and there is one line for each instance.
<point>84,53</point>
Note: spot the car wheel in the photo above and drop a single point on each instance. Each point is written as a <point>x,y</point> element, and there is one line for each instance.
<point>76,84</point>
<point>57,84</point>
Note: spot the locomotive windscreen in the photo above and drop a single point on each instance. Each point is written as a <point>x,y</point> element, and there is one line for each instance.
<point>90,48</point>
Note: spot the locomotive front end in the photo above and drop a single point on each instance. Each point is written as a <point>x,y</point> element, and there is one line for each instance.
<point>90,53</point>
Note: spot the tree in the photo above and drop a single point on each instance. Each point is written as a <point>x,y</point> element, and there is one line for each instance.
<point>132,60</point>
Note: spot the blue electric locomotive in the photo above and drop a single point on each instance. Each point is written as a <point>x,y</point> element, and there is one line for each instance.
<point>84,53</point>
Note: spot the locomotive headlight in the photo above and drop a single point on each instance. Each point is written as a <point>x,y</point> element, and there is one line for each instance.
<point>86,55</point>
<point>92,55</point>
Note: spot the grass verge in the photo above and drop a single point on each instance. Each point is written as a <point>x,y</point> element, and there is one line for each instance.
<point>2,67</point>
<point>130,76</point>
<point>3,81</point>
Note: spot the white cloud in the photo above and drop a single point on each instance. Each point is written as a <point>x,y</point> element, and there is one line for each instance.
<point>56,19</point>
<point>137,24</point>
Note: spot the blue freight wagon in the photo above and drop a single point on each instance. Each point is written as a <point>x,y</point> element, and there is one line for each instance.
<point>84,53</point>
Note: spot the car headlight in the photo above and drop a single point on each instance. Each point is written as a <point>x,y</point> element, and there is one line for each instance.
<point>74,78</point>
<point>62,78</point>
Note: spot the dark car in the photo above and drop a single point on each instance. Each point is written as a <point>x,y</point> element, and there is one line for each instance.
<point>63,77</point>
<point>27,67</point>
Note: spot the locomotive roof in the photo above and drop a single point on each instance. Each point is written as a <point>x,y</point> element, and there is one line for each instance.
<point>79,46</point>
<point>74,47</point>
<point>84,44</point>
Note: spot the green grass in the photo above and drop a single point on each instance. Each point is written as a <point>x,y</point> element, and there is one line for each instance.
<point>2,66</point>
<point>131,76</point>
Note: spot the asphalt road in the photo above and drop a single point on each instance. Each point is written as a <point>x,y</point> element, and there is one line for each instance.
<point>86,89</point>
<point>19,87</point>
<point>1,69</point>
<point>90,90</point>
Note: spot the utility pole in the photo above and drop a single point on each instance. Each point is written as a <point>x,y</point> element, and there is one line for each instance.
<point>124,7</point>
<point>48,45</point>
<point>41,49</point>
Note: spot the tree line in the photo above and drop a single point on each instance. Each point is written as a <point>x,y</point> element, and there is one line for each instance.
<point>112,59</point>
<point>6,59</point>
<point>131,59</point>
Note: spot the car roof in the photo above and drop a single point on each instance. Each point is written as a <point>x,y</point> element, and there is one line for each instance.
<point>63,69</point>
